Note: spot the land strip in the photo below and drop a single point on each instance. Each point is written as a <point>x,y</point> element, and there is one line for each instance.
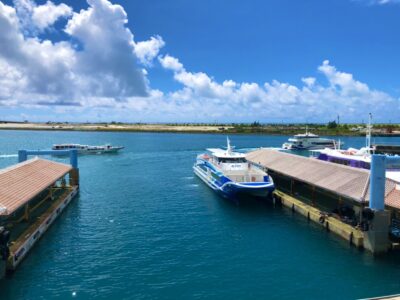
<point>234,128</point>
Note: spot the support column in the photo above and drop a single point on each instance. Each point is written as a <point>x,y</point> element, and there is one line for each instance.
<point>74,177</point>
<point>377,237</point>
<point>313,195</point>
<point>26,213</point>
<point>73,158</point>
<point>377,182</point>
<point>291,186</point>
<point>4,252</point>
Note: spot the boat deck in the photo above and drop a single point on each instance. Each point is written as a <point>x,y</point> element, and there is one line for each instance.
<point>250,175</point>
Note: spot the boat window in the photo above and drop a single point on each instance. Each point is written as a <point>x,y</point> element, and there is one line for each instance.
<point>232,160</point>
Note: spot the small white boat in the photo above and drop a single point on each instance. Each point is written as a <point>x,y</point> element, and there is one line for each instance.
<point>309,141</point>
<point>229,174</point>
<point>87,149</point>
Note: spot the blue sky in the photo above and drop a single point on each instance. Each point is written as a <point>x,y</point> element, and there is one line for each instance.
<point>200,61</point>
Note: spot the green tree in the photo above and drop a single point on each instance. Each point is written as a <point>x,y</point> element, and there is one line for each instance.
<point>332,125</point>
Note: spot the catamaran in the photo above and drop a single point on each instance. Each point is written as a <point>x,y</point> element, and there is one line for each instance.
<point>229,174</point>
<point>309,141</point>
<point>87,149</point>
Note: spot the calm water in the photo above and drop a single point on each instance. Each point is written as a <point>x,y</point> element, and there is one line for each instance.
<point>144,227</point>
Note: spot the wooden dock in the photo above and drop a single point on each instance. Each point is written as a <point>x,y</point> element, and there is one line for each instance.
<point>33,193</point>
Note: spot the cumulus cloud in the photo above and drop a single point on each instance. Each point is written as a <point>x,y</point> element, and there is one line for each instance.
<point>171,63</point>
<point>36,18</point>
<point>146,51</point>
<point>46,15</point>
<point>103,61</point>
<point>309,81</point>
<point>279,100</point>
<point>98,72</point>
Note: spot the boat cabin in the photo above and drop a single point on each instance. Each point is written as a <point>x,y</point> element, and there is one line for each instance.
<point>225,158</point>
<point>68,147</point>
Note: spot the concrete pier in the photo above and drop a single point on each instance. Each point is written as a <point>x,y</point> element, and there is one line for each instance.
<point>353,235</point>
<point>356,204</point>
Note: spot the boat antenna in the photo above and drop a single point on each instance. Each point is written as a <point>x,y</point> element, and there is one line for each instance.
<point>368,136</point>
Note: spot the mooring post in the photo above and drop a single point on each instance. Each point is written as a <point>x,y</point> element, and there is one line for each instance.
<point>22,155</point>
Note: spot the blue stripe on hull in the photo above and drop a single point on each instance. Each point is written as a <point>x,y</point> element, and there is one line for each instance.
<point>232,190</point>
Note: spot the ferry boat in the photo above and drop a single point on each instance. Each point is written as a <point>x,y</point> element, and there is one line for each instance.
<point>87,149</point>
<point>229,174</point>
<point>356,158</point>
<point>309,141</point>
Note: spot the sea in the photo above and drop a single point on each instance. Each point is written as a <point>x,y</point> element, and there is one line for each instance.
<point>144,227</point>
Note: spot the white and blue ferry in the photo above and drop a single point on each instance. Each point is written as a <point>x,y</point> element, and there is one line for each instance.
<point>229,174</point>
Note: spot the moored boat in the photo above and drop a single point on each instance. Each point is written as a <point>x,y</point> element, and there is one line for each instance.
<point>309,141</point>
<point>87,149</point>
<point>229,174</point>
<point>357,158</point>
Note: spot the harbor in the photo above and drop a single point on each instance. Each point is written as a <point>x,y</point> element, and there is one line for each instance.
<point>183,215</point>
<point>155,150</point>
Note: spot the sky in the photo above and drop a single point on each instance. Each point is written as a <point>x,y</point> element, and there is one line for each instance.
<point>272,61</point>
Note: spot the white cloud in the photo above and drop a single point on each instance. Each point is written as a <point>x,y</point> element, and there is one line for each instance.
<point>46,15</point>
<point>146,51</point>
<point>171,63</point>
<point>36,18</point>
<point>101,75</point>
<point>103,63</point>
<point>309,81</point>
<point>278,100</point>
<point>344,81</point>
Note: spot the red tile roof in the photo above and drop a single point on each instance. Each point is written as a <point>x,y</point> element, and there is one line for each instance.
<point>22,182</point>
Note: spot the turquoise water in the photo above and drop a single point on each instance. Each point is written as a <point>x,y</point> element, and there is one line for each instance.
<point>144,227</point>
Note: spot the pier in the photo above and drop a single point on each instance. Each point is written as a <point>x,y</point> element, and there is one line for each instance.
<point>33,193</point>
<point>357,204</point>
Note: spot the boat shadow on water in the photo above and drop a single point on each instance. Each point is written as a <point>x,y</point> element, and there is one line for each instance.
<point>248,202</point>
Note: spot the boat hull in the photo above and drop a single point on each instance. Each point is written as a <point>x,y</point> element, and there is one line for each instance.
<point>95,151</point>
<point>234,190</point>
<point>287,146</point>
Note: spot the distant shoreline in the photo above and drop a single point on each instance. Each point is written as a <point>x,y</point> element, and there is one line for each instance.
<point>193,128</point>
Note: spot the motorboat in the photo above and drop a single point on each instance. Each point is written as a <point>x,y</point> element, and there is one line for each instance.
<point>87,149</point>
<point>309,141</point>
